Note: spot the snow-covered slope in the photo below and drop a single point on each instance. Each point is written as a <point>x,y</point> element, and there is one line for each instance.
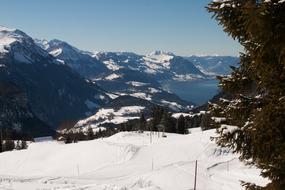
<point>214,65</point>
<point>158,64</point>
<point>80,61</point>
<point>6,39</point>
<point>111,115</point>
<point>126,161</point>
<point>117,111</point>
<point>19,46</point>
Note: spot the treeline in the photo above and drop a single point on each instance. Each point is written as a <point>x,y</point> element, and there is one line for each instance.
<point>13,140</point>
<point>73,136</point>
<point>162,120</point>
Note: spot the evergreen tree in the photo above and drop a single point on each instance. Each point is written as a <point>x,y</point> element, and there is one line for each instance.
<point>164,119</point>
<point>142,123</point>
<point>90,134</point>
<point>24,145</point>
<point>18,145</point>
<point>9,145</point>
<point>80,135</point>
<point>206,121</point>
<point>256,114</point>
<point>180,125</point>
<point>129,126</point>
<point>68,138</point>
<point>168,122</point>
<point>99,134</point>
<point>156,114</point>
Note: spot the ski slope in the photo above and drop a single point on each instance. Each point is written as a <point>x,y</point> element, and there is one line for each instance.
<point>126,161</point>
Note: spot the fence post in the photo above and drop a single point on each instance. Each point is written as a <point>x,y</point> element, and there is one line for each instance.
<point>152,164</point>
<point>228,166</point>
<point>77,169</point>
<point>195,180</point>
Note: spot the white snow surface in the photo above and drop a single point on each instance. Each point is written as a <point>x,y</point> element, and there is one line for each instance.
<point>173,105</point>
<point>113,76</point>
<point>153,90</point>
<point>112,96</point>
<point>110,116</point>
<point>269,1</point>
<point>56,52</point>
<point>177,115</point>
<point>218,119</point>
<point>160,57</point>
<point>7,37</point>
<point>228,129</point>
<point>126,161</point>
<point>112,65</point>
<point>187,77</point>
<point>141,95</point>
<point>137,84</point>
<point>157,62</point>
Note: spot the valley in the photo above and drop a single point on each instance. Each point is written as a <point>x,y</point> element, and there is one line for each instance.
<point>65,84</point>
<point>142,95</point>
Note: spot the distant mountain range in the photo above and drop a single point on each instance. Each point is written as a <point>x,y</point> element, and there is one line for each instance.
<point>64,83</point>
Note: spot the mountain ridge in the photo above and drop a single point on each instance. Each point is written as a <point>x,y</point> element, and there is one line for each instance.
<point>55,92</point>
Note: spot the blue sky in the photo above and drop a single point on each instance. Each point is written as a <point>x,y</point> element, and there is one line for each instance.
<point>180,26</point>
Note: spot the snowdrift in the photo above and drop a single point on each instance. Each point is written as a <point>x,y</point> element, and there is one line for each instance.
<point>126,161</point>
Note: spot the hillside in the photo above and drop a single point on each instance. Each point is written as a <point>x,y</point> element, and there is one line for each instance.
<point>126,161</point>
<point>15,113</point>
<point>54,92</point>
<point>214,65</point>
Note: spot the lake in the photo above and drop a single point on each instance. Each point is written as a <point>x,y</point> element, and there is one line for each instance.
<point>196,91</point>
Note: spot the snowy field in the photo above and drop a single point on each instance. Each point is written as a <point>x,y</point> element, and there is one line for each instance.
<point>126,161</point>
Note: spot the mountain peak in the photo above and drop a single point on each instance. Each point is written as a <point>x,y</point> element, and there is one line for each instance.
<point>17,44</point>
<point>12,33</point>
<point>9,36</point>
<point>160,57</point>
<point>44,44</point>
<point>56,42</point>
<point>159,52</point>
<point>5,29</point>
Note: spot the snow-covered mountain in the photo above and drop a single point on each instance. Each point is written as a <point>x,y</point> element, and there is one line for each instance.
<point>158,65</point>
<point>80,61</point>
<point>55,92</point>
<point>126,74</point>
<point>132,75</point>
<point>20,47</point>
<point>127,161</point>
<point>214,65</point>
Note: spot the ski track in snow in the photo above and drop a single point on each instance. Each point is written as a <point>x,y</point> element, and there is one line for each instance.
<point>126,161</point>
